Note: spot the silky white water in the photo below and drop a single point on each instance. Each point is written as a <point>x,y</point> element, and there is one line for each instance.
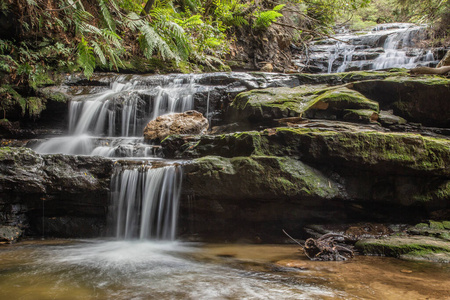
<point>145,202</point>
<point>395,45</point>
<point>120,111</point>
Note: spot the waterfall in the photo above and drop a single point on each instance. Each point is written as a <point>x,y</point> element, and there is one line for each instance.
<point>386,46</point>
<point>145,202</point>
<point>121,111</point>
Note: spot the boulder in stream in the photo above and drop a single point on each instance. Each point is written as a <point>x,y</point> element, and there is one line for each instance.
<point>188,122</point>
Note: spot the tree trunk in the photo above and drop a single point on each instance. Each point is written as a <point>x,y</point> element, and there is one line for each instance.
<point>147,7</point>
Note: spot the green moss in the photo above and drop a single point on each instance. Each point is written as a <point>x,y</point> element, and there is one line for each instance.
<point>343,98</point>
<point>345,77</point>
<point>263,177</point>
<point>35,106</point>
<point>360,115</point>
<point>10,97</point>
<point>424,80</point>
<point>397,246</point>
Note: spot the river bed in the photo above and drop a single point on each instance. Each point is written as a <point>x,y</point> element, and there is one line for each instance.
<point>109,269</point>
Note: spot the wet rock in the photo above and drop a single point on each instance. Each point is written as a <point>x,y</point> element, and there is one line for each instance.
<point>34,186</point>
<point>360,115</point>
<point>10,234</point>
<point>259,177</point>
<point>421,99</point>
<point>408,247</point>
<point>346,77</point>
<point>387,118</point>
<point>189,122</point>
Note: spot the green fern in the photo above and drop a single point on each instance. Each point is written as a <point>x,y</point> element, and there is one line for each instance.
<point>86,58</point>
<point>264,19</point>
<point>151,41</point>
<point>106,15</point>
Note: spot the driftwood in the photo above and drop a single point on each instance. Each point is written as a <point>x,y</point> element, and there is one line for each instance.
<point>428,70</point>
<point>325,248</point>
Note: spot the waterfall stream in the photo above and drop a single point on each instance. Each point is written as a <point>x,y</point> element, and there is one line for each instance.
<point>145,202</point>
<point>109,122</point>
<point>144,198</point>
<point>385,46</point>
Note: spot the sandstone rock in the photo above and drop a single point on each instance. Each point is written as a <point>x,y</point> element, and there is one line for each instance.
<point>408,247</point>
<point>10,234</point>
<point>318,101</point>
<point>189,122</point>
<point>267,68</point>
<point>34,186</point>
<point>420,99</point>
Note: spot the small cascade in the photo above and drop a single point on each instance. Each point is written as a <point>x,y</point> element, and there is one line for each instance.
<point>386,46</point>
<point>121,112</point>
<point>145,202</point>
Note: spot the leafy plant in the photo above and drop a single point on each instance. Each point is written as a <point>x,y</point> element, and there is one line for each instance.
<point>265,18</point>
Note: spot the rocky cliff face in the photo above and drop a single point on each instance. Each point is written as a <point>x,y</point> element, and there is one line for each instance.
<point>54,195</point>
<point>323,167</point>
<point>290,150</point>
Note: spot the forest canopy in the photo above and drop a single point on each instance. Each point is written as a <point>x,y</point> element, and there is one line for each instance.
<point>39,36</point>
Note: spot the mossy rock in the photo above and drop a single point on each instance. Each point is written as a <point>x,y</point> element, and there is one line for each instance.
<point>397,153</point>
<point>256,177</point>
<point>346,77</point>
<point>264,106</point>
<point>360,115</point>
<point>387,119</point>
<point>420,99</point>
<point>272,103</point>
<point>411,247</point>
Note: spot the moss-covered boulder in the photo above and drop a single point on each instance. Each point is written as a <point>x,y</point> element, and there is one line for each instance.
<point>274,103</point>
<point>408,247</point>
<point>257,177</point>
<point>320,102</point>
<point>336,104</point>
<point>423,99</point>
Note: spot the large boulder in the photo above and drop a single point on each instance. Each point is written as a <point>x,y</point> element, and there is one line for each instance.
<point>312,101</point>
<point>189,122</point>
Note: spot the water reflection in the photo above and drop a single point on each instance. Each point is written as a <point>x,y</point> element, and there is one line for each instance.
<point>136,270</point>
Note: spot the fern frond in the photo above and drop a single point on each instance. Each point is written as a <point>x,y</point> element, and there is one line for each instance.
<point>86,59</point>
<point>106,15</point>
<point>99,52</point>
<point>176,34</point>
<point>111,37</point>
<point>152,41</point>
<point>279,7</point>
<point>265,19</point>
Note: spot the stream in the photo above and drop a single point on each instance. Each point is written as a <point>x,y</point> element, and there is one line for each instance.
<point>106,269</point>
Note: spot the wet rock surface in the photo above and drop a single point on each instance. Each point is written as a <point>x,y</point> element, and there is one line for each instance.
<point>46,187</point>
<point>285,151</point>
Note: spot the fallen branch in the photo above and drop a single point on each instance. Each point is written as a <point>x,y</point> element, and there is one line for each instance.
<point>428,70</point>
<point>325,248</point>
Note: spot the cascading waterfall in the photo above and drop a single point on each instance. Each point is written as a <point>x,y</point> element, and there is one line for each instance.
<point>145,202</point>
<point>122,111</point>
<point>385,46</point>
